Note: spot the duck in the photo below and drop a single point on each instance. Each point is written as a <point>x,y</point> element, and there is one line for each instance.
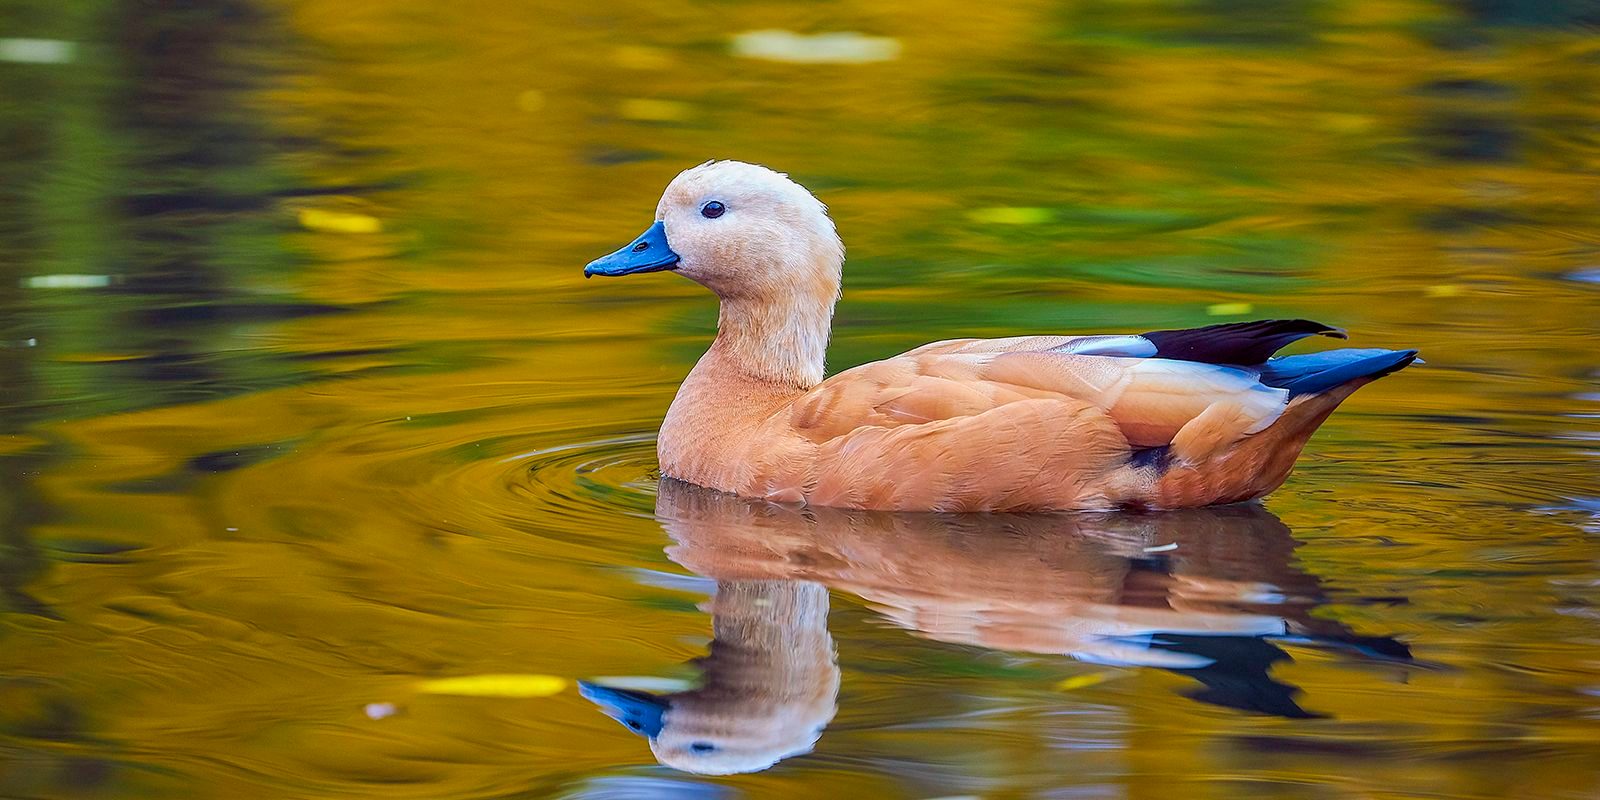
<point>1049,422</point>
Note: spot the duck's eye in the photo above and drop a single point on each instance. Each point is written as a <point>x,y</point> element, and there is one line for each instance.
<point>713,209</point>
<point>702,747</point>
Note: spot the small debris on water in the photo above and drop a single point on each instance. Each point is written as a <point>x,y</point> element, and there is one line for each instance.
<point>381,710</point>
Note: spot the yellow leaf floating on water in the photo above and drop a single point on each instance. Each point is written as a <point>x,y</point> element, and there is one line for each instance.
<point>1443,290</point>
<point>318,219</point>
<point>1081,681</point>
<point>1010,215</point>
<point>496,685</point>
<point>1229,309</point>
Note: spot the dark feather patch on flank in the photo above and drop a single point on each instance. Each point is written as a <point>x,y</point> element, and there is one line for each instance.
<point>1156,458</point>
<point>1240,343</point>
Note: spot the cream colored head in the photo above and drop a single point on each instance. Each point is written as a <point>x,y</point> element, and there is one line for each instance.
<point>710,735</point>
<point>768,250</point>
<point>771,683</point>
<point>743,230</point>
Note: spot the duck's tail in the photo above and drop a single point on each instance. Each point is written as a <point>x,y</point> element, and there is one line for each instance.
<point>1317,384</point>
<point>1315,373</point>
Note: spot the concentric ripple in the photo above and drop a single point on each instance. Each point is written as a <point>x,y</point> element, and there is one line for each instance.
<point>596,492</point>
<point>598,475</point>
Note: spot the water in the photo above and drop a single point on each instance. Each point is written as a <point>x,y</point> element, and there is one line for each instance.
<point>305,402</point>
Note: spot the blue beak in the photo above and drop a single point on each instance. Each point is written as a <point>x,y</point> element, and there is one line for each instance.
<point>639,711</point>
<point>648,253</point>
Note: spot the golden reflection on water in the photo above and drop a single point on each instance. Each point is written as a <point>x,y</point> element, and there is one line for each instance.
<point>305,401</point>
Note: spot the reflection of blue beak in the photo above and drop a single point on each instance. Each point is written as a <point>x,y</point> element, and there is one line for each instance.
<point>639,711</point>
<point>648,253</point>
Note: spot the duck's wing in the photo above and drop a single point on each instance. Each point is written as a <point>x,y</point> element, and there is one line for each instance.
<point>998,431</point>
<point>988,423</point>
<point>1215,380</point>
<point>1150,399</point>
<point>1234,343</point>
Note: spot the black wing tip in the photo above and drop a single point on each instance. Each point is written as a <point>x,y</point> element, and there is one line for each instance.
<point>1301,325</point>
<point>1237,343</point>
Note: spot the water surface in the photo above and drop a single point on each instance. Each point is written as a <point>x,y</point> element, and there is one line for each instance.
<point>305,402</point>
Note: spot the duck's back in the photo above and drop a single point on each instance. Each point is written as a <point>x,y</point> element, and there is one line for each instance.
<point>1166,419</point>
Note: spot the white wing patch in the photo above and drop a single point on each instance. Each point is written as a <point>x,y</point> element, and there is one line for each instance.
<point>1121,346</point>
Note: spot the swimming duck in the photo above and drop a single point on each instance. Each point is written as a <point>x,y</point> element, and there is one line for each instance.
<point>1164,419</point>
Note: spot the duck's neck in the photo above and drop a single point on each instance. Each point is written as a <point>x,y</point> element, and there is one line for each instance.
<point>765,355</point>
<point>778,342</point>
<point>770,642</point>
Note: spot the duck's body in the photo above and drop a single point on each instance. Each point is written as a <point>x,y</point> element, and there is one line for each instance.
<point>1003,425</point>
<point>1166,419</point>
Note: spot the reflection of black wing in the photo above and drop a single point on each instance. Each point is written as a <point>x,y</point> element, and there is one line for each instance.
<point>1239,673</point>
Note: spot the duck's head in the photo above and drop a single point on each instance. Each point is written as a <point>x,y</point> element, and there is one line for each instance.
<point>742,231</point>
<point>724,731</point>
<point>769,687</point>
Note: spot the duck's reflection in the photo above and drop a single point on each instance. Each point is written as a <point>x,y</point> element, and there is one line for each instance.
<point>1205,593</point>
<point>767,688</point>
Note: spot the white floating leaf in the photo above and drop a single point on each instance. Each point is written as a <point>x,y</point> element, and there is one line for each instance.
<point>380,710</point>
<point>37,51</point>
<point>845,47</point>
<point>67,281</point>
